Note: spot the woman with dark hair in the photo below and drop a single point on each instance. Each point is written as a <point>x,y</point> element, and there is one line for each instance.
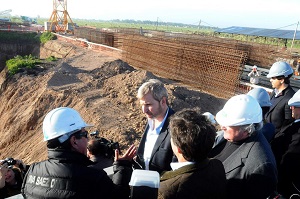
<point>13,178</point>
<point>13,181</point>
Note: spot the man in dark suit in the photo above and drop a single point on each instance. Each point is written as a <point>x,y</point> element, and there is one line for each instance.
<point>155,152</point>
<point>286,148</point>
<point>247,157</point>
<point>280,113</point>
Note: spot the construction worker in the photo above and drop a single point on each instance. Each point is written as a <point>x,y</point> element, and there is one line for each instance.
<point>66,173</point>
<point>247,157</point>
<point>254,75</point>
<point>280,113</point>
<point>263,98</point>
<point>286,148</point>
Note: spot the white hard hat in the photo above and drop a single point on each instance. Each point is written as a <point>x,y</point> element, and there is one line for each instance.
<point>240,110</point>
<point>62,121</point>
<point>261,95</point>
<point>210,117</point>
<point>295,100</point>
<point>280,68</point>
<point>254,67</point>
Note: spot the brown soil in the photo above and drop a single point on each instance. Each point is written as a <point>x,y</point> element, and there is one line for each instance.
<point>102,88</point>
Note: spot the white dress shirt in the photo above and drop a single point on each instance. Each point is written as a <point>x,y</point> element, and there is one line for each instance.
<point>152,135</point>
<point>177,165</point>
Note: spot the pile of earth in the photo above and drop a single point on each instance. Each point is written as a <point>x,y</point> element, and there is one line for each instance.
<point>102,88</point>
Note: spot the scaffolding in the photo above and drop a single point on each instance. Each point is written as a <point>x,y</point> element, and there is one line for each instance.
<point>60,20</point>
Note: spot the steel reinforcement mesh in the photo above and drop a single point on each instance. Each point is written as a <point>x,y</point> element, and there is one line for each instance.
<point>209,64</point>
<point>96,36</point>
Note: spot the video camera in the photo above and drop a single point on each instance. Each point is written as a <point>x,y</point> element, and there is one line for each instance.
<point>9,161</point>
<point>107,147</point>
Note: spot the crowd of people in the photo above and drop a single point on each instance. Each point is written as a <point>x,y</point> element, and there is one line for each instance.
<point>250,149</point>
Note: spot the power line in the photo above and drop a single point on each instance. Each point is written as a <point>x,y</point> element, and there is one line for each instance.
<point>195,23</point>
<point>207,23</point>
<point>287,26</point>
<point>201,21</point>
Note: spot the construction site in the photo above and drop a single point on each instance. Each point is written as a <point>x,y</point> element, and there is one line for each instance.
<point>99,70</point>
<point>211,63</point>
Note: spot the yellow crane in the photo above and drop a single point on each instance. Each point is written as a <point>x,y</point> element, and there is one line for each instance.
<point>4,15</point>
<point>60,20</point>
<point>5,12</point>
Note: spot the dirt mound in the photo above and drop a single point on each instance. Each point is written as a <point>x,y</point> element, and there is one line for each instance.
<point>101,88</point>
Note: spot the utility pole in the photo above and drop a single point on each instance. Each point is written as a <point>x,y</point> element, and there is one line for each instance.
<point>199,24</point>
<point>294,35</point>
<point>156,23</point>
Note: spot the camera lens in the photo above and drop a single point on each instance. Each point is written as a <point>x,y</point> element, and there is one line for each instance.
<point>10,161</point>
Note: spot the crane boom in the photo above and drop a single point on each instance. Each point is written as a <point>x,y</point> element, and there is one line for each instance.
<point>5,12</point>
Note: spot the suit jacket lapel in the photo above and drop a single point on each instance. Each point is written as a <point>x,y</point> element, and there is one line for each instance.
<point>162,136</point>
<point>142,142</point>
<point>275,104</point>
<point>163,133</point>
<point>281,98</point>
<point>237,158</point>
<point>284,130</point>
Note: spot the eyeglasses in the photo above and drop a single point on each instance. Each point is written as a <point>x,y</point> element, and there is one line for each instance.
<point>81,134</point>
<point>278,78</point>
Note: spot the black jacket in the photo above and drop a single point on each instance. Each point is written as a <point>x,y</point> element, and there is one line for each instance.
<point>66,175</point>
<point>286,148</point>
<point>251,169</point>
<point>280,113</point>
<point>101,162</point>
<point>162,154</point>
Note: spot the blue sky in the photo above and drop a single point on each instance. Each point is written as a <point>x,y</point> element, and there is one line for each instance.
<point>219,13</point>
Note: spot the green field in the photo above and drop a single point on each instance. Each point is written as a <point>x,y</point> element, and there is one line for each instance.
<point>178,27</point>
